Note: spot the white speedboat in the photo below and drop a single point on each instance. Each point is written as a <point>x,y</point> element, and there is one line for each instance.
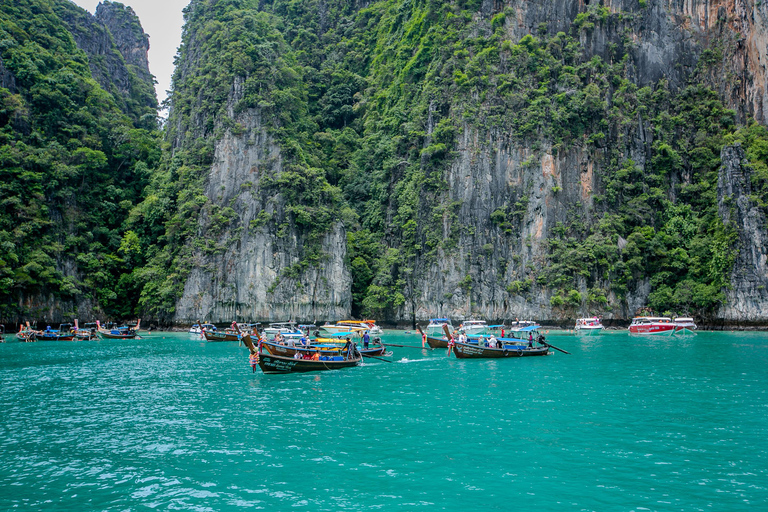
<point>589,326</point>
<point>684,326</point>
<point>198,329</point>
<point>474,328</point>
<point>523,326</point>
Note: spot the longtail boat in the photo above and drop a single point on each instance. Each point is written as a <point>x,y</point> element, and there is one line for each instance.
<point>119,333</point>
<point>324,349</point>
<point>270,363</point>
<point>279,364</point>
<point>26,334</point>
<point>477,351</point>
<point>64,333</point>
<point>227,335</point>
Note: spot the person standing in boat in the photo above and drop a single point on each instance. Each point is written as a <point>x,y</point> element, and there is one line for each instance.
<point>366,340</point>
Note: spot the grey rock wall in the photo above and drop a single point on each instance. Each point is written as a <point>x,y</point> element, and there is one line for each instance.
<point>747,298</point>
<point>246,280</point>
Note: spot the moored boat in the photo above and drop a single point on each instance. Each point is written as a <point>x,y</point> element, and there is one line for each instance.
<point>283,331</point>
<point>278,364</point>
<point>589,326</point>
<point>523,326</point>
<point>63,333</point>
<point>685,326</point>
<point>651,325</point>
<point>323,346</point>
<point>480,351</point>
<point>345,326</point>
<point>199,327</point>
<point>122,332</point>
<point>474,328</point>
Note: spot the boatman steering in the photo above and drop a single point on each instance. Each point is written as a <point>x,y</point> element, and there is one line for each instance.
<point>366,339</point>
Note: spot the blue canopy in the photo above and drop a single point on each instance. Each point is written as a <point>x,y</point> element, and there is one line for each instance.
<point>439,320</point>
<point>528,328</point>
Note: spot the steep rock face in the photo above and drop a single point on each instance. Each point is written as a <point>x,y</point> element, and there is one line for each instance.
<point>127,34</point>
<point>672,41</point>
<point>247,279</point>
<point>747,298</point>
<point>666,41</point>
<point>117,48</point>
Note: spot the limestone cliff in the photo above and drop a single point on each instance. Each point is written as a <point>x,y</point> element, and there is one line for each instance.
<point>747,298</point>
<point>117,50</point>
<point>247,279</point>
<point>501,198</point>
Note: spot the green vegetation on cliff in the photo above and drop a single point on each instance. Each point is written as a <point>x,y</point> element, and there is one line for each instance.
<point>72,166</point>
<point>375,108</point>
<point>369,106</point>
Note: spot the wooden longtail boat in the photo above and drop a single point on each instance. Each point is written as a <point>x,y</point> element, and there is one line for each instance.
<point>323,349</point>
<point>119,333</point>
<point>64,333</point>
<point>279,364</point>
<point>475,351</point>
<point>221,336</point>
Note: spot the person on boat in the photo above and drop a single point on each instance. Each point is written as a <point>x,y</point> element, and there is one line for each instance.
<point>492,341</point>
<point>366,340</point>
<point>315,356</point>
<point>462,338</point>
<point>303,340</point>
<point>297,355</point>
<point>450,345</point>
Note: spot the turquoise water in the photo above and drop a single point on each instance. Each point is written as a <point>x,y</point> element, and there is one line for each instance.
<point>173,423</point>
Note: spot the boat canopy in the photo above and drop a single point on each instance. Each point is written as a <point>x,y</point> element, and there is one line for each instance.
<point>496,326</point>
<point>435,320</point>
<point>528,328</point>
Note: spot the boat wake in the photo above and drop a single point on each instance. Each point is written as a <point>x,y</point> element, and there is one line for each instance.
<point>406,360</point>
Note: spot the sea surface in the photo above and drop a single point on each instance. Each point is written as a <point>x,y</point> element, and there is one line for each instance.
<point>170,422</point>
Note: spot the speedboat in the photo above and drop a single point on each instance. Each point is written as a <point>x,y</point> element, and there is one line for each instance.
<point>345,326</point>
<point>651,325</point>
<point>589,326</point>
<point>523,326</point>
<point>474,328</point>
<point>685,325</point>
<point>288,331</point>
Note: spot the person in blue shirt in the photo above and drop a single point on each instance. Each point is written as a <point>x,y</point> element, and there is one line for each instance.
<point>366,339</point>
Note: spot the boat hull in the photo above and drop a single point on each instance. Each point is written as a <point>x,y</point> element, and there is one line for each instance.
<point>43,337</point>
<point>434,342</point>
<point>470,351</point>
<point>219,336</point>
<point>652,329</point>
<point>271,364</point>
<point>110,336</point>
<point>589,331</point>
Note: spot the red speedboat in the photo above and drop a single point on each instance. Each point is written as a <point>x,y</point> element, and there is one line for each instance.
<point>651,325</point>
